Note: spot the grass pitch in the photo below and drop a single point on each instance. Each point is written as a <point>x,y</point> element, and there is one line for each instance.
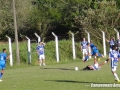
<point>57,77</point>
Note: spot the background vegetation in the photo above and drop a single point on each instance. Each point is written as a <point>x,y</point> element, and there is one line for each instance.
<point>59,16</point>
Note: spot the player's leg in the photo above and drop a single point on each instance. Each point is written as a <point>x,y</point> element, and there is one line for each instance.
<point>113,69</point>
<point>87,57</point>
<point>83,54</point>
<point>40,60</point>
<point>115,74</point>
<point>1,74</point>
<point>2,67</point>
<point>88,67</point>
<point>43,58</point>
<point>101,64</point>
<point>98,56</point>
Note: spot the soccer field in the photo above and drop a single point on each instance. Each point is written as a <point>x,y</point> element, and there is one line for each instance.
<point>57,77</point>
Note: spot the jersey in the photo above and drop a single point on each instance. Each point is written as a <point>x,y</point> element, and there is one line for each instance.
<point>40,49</point>
<point>92,45</point>
<point>84,44</point>
<point>114,55</point>
<point>3,57</point>
<point>111,42</point>
<point>96,66</point>
<point>118,44</point>
<point>94,50</point>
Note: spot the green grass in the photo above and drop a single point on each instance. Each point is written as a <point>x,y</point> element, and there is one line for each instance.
<point>57,77</point>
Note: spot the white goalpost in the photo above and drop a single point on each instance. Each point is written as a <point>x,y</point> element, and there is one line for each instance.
<point>10,50</point>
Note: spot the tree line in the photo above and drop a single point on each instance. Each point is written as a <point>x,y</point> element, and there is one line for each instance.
<point>59,16</point>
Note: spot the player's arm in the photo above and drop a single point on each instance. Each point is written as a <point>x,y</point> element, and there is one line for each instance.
<point>107,40</point>
<point>37,51</point>
<point>81,47</point>
<point>108,59</point>
<point>43,43</point>
<point>8,56</point>
<point>119,57</point>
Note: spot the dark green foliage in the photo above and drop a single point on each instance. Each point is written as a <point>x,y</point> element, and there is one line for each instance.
<point>60,16</point>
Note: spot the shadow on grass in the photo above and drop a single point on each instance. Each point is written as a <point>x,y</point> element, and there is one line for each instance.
<point>69,81</point>
<point>72,81</point>
<point>67,69</point>
<point>59,68</point>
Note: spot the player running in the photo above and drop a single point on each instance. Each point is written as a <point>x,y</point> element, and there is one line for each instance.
<point>114,57</point>
<point>3,58</point>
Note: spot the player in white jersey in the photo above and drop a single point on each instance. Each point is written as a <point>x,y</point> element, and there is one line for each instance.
<point>114,57</point>
<point>84,48</point>
<point>40,52</point>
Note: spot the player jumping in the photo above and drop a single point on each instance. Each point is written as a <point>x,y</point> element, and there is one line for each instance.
<point>95,52</point>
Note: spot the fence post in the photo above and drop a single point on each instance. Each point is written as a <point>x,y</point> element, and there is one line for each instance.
<point>39,39</point>
<point>117,33</point>
<point>10,50</point>
<point>29,50</point>
<point>88,36</point>
<point>73,46</point>
<point>56,42</point>
<point>104,43</point>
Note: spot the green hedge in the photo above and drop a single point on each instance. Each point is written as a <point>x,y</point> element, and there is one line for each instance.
<point>65,52</point>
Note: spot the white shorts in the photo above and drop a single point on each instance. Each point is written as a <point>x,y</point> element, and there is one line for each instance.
<point>41,57</point>
<point>114,68</point>
<point>84,51</point>
<point>110,49</point>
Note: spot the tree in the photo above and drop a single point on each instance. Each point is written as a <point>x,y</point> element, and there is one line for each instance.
<point>105,17</point>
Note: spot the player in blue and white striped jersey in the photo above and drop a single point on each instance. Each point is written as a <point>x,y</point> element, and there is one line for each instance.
<point>114,57</point>
<point>40,52</point>
<point>84,48</point>
<point>111,42</point>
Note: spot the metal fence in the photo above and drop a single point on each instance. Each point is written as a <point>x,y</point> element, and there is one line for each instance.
<point>27,47</point>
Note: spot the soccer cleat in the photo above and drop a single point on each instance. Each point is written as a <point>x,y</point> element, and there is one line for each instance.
<point>39,64</point>
<point>0,80</point>
<point>117,81</point>
<point>44,64</point>
<point>98,59</point>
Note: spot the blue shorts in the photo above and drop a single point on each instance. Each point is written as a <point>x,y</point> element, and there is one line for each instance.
<point>95,52</point>
<point>99,55</point>
<point>2,64</point>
